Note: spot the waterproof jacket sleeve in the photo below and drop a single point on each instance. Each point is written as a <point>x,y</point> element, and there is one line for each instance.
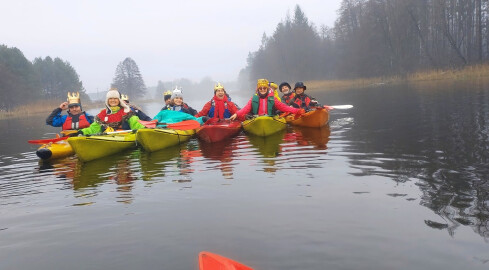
<point>284,108</point>
<point>245,110</point>
<point>55,119</point>
<point>92,129</point>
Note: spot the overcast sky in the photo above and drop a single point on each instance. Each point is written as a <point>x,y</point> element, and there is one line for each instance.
<point>167,39</point>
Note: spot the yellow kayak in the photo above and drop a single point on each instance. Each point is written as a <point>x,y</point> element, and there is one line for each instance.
<point>94,147</point>
<point>264,125</point>
<point>315,118</point>
<point>54,150</point>
<point>154,139</point>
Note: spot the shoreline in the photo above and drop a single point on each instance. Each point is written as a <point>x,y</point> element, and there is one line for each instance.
<point>468,73</point>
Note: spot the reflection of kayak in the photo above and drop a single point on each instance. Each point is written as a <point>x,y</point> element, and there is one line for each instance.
<point>268,146</point>
<point>214,131</point>
<point>315,118</point>
<point>94,147</point>
<point>159,138</point>
<point>212,261</point>
<point>55,150</point>
<point>315,136</point>
<point>264,125</point>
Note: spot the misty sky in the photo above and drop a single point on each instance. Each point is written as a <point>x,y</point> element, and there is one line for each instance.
<point>167,39</point>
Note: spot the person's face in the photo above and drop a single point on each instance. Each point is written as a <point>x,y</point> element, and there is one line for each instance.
<point>262,90</point>
<point>74,109</point>
<point>113,102</point>
<point>167,101</point>
<point>220,93</point>
<point>178,101</point>
<point>299,90</point>
<point>285,89</point>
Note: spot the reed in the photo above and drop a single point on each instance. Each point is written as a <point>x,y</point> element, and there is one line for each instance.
<point>42,107</point>
<point>473,72</point>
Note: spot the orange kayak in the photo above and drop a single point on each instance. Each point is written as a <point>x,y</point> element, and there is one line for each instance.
<point>214,131</point>
<point>315,118</point>
<point>212,261</point>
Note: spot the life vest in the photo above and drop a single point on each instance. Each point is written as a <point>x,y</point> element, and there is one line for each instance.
<point>301,100</point>
<point>227,113</point>
<point>255,104</point>
<point>112,120</point>
<point>288,97</point>
<point>76,122</point>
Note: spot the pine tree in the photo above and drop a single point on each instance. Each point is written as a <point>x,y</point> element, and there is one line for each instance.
<point>128,79</point>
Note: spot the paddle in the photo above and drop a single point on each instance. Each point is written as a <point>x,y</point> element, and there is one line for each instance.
<point>338,107</point>
<point>183,125</point>
<point>44,141</point>
<point>212,261</point>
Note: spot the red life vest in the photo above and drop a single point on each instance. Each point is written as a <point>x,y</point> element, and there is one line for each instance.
<point>81,123</point>
<point>108,119</point>
<point>301,100</point>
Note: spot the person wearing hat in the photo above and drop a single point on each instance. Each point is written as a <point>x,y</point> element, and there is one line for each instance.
<point>116,113</point>
<point>262,103</point>
<point>136,109</point>
<point>75,118</point>
<point>219,107</point>
<point>301,100</point>
<point>177,104</point>
<point>287,92</point>
<point>273,90</point>
<point>167,97</point>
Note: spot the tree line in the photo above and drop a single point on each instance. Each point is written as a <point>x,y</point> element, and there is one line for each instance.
<point>373,38</point>
<point>24,82</point>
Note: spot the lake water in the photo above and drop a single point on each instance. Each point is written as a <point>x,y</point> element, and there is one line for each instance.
<point>398,182</point>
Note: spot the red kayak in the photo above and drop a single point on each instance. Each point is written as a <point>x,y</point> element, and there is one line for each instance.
<point>215,130</point>
<point>212,261</point>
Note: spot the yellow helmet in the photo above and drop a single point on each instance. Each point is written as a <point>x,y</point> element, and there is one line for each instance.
<point>262,83</point>
<point>273,85</point>
<point>218,86</point>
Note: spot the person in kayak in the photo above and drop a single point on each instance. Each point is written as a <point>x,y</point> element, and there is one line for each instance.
<point>136,109</point>
<point>287,92</point>
<point>75,118</point>
<point>116,113</point>
<point>273,89</point>
<point>264,103</point>
<point>301,100</point>
<point>167,97</point>
<point>177,104</point>
<point>220,106</point>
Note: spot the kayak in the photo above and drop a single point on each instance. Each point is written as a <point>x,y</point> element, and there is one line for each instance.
<point>214,131</point>
<point>315,118</point>
<point>88,148</point>
<point>154,139</point>
<point>212,261</point>
<point>264,125</point>
<point>54,150</point>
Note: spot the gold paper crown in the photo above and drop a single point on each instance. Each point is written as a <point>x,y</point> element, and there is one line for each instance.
<point>218,86</point>
<point>125,97</point>
<point>167,93</point>
<point>73,98</point>
<point>262,83</point>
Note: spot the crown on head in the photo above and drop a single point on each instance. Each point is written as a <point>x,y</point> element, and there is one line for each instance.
<point>125,97</point>
<point>73,97</point>
<point>218,86</point>
<point>167,93</point>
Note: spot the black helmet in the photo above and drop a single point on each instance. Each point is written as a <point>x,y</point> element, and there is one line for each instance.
<point>299,84</point>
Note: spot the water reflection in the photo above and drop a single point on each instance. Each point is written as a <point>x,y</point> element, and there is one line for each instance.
<point>153,164</point>
<point>437,138</point>
<point>222,152</point>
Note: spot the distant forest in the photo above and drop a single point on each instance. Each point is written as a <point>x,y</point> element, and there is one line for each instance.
<point>374,38</point>
<point>370,38</point>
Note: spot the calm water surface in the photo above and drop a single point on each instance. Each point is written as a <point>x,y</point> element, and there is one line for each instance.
<point>398,182</point>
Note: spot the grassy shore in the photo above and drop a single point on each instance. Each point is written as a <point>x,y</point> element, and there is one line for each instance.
<point>41,107</point>
<point>469,73</point>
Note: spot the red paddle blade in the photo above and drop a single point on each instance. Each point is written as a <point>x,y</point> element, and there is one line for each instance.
<point>149,124</point>
<point>47,140</point>
<point>185,125</point>
<point>212,261</point>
